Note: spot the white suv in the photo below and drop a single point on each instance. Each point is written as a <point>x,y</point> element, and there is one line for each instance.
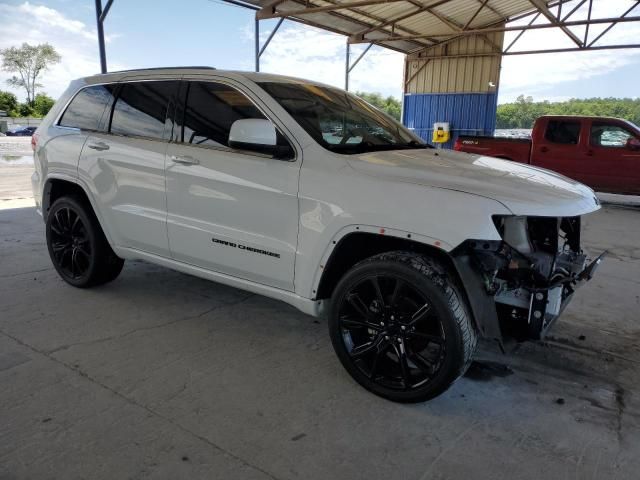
<point>305,193</point>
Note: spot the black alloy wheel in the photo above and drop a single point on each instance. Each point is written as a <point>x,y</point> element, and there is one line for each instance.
<point>400,328</point>
<point>70,243</point>
<point>77,245</point>
<point>392,332</point>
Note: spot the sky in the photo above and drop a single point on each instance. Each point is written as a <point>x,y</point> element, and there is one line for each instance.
<point>147,33</point>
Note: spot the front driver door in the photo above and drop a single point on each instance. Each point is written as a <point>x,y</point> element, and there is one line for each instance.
<point>230,211</point>
<point>615,164</point>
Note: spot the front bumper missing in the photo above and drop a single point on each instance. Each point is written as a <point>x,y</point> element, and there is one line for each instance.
<point>516,308</point>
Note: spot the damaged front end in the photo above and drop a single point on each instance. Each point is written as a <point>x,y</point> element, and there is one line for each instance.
<point>519,286</point>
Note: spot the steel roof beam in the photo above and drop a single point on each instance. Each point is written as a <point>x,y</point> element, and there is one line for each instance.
<point>535,17</point>
<point>356,37</point>
<point>452,24</point>
<point>604,32</point>
<point>518,28</point>
<point>105,11</point>
<point>544,9</point>
<point>586,29</point>
<point>574,10</point>
<point>492,9</point>
<point>473,17</point>
<point>334,12</point>
<point>524,52</point>
<point>265,13</point>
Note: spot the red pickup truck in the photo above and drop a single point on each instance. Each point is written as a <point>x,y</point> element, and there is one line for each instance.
<point>603,153</point>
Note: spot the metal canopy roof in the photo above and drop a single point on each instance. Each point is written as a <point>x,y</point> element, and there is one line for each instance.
<point>411,26</point>
<point>426,29</point>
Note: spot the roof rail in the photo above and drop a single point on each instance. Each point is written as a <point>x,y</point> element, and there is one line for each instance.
<point>198,67</point>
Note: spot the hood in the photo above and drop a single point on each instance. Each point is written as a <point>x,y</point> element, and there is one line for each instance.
<point>523,189</point>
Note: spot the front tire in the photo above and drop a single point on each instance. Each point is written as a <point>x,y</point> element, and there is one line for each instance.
<point>400,327</point>
<point>77,246</point>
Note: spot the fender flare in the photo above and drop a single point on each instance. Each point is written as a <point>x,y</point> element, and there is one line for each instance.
<point>375,230</point>
<point>46,193</point>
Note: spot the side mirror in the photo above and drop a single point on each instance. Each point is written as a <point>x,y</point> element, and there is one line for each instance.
<point>633,143</point>
<point>257,135</point>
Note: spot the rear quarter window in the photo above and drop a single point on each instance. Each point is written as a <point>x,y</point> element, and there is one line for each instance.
<point>87,107</point>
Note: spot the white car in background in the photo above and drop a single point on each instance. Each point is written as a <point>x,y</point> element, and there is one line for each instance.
<point>412,253</point>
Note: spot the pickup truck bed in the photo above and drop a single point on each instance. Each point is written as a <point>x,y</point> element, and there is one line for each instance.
<point>516,149</point>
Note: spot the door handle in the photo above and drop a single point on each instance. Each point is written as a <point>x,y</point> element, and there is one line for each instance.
<point>589,153</point>
<point>100,146</point>
<point>544,149</point>
<point>184,160</point>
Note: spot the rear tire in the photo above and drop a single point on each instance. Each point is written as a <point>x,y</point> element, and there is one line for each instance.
<point>77,245</point>
<point>400,327</point>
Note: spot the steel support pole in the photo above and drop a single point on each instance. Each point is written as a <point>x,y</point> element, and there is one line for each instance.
<point>103,54</point>
<point>257,45</point>
<point>346,68</point>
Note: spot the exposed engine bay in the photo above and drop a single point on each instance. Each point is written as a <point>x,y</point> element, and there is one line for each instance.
<point>530,275</point>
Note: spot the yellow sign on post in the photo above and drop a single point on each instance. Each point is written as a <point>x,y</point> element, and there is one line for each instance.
<point>440,132</point>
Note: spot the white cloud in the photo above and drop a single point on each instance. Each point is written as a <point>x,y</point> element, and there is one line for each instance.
<point>307,52</point>
<point>74,40</point>
<point>536,74</point>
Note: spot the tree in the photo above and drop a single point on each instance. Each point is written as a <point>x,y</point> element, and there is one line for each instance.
<point>29,62</point>
<point>42,104</point>
<point>390,105</point>
<point>524,111</point>
<point>8,102</point>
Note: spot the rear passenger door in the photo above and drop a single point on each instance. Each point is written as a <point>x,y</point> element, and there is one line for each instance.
<point>124,164</point>
<point>230,211</point>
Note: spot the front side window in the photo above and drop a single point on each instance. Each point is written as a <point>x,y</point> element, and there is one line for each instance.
<point>564,132</point>
<point>608,135</point>
<point>87,107</point>
<point>339,121</point>
<point>141,109</point>
<point>210,110</point>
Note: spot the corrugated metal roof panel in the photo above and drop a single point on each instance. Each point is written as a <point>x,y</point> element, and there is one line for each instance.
<point>452,13</point>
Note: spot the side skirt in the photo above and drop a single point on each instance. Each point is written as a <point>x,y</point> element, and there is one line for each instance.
<point>315,308</point>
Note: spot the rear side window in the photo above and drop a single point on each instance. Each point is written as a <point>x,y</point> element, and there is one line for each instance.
<point>563,132</point>
<point>211,108</point>
<point>87,107</point>
<point>141,109</point>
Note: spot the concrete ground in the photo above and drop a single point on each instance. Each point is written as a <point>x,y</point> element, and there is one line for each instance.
<point>163,375</point>
<point>16,167</point>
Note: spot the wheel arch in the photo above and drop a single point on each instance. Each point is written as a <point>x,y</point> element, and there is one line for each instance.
<point>358,245</point>
<point>57,187</point>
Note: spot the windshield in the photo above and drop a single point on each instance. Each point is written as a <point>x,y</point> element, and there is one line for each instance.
<point>340,121</point>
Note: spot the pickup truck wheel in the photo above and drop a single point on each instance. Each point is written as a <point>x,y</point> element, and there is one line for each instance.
<point>77,246</point>
<point>400,327</point>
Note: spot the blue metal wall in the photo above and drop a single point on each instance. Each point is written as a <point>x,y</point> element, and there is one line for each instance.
<point>467,113</point>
